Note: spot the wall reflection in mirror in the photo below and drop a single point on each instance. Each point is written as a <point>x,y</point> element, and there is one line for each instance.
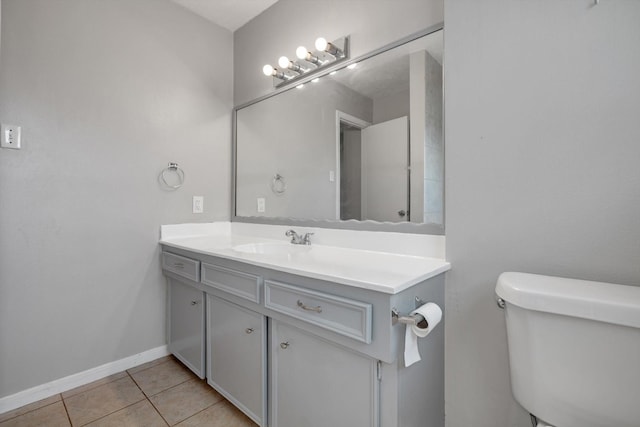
<point>363,143</point>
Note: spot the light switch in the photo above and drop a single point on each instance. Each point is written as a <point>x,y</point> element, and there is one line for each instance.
<point>198,204</point>
<point>261,202</point>
<point>10,137</point>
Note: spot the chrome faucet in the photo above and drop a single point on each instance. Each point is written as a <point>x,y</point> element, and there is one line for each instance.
<point>297,239</point>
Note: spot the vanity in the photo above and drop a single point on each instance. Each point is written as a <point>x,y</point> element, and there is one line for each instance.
<point>297,335</point>
<point>300,335</point>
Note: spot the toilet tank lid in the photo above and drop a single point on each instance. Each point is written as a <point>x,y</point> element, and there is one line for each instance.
<point>605,302</point>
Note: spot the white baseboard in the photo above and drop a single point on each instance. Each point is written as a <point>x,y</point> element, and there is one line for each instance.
<point>60,385</point>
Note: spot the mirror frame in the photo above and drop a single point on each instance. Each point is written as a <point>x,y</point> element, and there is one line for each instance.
<point>366,225</point>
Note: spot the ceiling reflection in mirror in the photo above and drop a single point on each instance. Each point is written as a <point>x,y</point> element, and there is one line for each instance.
<point>363,143</point>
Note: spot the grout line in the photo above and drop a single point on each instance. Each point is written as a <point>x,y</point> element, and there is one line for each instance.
<point>35,409</point>
<point>65,409</point>
<point>202,410</point>
<point>156,409</point>
<point>91,387</point>
<point>169,388</point>
<point>111,413</point>
<point>170,358</point>
<point>191,377</point>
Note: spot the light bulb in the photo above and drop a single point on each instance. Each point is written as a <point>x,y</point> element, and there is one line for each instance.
<point>352,66</point>
<point>301,52</point>
<point>283,62</point>
<point>321,44</point>
<point>333,73</point>
<point>316,80</point>
<point>300,86</point>
<point>267,70</point>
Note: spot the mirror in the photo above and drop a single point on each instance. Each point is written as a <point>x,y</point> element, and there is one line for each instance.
<point>359,147</point>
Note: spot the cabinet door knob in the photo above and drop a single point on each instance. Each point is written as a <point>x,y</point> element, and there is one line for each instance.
<point>248,330</point>
<point>302,305</point>
<point>194,302</point>
<point>284,345</point>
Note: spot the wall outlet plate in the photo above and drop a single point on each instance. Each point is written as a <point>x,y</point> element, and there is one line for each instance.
<point>198,204</point>
<point>10,136</point>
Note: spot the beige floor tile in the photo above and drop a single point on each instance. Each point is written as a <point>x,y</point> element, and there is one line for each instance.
<point>182,401</point>
<point>161,377</point>
<point>102,400</point>
<point>222,414</point>
<point>150,364</point>
<point>94,384</point>
<point>140,414</point>
<point>52,415</point>
<point>30,407</point>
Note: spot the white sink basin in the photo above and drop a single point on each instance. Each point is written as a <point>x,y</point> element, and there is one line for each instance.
<point>272,248</point>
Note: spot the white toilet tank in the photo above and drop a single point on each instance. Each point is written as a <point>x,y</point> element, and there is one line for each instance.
<point>574,349</point>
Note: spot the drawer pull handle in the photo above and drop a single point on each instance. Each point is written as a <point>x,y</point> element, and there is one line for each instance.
<point>194,302</point>
<point>317,309</point>
<point>284,345</point>
<point>248,330</point>
<point>178,265</point>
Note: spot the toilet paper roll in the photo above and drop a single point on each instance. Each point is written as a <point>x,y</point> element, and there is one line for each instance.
<point>433,315</point>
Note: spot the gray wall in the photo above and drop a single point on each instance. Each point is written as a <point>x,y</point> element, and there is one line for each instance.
<point>290,23</point>
<point>434,143</point>
<point>542,170</point>
<point>389,107</point>
<point>107,93</point>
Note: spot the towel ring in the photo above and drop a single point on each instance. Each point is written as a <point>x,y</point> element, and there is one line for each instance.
<point>278,184</point>
<point>173,167</point>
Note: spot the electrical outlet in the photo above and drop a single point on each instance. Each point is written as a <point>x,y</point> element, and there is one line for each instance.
<point>10,136</point>
<point>198,204</point>
<point>261,204</point>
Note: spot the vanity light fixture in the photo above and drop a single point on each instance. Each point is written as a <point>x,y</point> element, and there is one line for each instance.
<point>326,54</point>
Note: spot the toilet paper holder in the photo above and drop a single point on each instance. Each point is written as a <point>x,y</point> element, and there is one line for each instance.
<point>416,319</point>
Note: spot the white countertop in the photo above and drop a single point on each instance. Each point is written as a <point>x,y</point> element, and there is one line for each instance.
<point>374,270</point>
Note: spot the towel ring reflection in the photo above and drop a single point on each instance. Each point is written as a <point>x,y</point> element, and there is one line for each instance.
<point>278,184</point>
<point>173,167</point>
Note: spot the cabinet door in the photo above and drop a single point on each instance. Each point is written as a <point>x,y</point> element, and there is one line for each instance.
<point>236,346</point>
<point>186,325</point>
<point>315,383</point>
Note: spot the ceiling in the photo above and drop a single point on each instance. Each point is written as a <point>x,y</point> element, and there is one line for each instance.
<point>230,14</point>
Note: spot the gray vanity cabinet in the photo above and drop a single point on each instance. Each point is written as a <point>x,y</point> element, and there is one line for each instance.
<point>316,383</point>
<point>186,325</point>
<point>295,351</point>
<point>236,348</point>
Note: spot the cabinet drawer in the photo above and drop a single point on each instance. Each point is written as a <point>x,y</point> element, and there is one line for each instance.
<point>181,266</point>
<point>340,315</point>
<point>235,282</point>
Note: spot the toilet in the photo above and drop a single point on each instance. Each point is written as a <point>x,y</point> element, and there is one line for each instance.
<point>574,349</point>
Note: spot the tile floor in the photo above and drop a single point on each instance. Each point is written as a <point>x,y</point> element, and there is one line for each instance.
<point>159,393</point>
